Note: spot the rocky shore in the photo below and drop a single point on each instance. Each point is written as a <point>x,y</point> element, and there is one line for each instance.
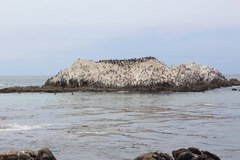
<point>150,89</point>
<point>134,75</point>
<point>180,154</point>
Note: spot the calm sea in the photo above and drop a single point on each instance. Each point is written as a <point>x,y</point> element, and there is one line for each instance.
<point>120,126</point>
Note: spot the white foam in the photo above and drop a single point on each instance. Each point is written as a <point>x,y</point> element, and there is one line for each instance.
<point>208,104</point>
<point>18,127</point>
<point>2,85</point>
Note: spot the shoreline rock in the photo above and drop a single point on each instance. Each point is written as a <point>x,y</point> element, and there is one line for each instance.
<point>191,153</point>
<point>43,154</point>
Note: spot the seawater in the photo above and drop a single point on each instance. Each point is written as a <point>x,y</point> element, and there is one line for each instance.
<point>106,126</point>
<point>12,81</point>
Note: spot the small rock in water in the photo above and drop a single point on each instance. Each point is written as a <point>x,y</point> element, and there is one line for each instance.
<point>43,154</point>
<point>234,89</point>
<point>154,156</point>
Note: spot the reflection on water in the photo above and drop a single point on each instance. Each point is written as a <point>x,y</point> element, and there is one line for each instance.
<point>121,125</point>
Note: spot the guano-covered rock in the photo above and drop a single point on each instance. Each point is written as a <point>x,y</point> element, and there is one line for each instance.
<point>147,74</point>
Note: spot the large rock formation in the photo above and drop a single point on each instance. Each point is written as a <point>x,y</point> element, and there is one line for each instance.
<point>144,73</point>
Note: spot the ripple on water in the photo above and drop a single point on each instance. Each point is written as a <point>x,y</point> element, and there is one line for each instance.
<point>121,126</point>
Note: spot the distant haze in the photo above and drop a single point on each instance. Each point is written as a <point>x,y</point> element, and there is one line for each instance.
<point>45,36</point>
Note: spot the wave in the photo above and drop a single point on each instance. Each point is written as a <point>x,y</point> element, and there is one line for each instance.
<point>2,85</point>
<point>18,127</point>
<point>5,85</point>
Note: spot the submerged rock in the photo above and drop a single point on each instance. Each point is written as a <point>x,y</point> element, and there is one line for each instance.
<point>148,73</point>
<point>43,154</point>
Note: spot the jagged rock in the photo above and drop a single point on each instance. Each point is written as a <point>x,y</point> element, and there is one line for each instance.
<point>145,72</point>
<point>180,154</point>
<point>193,154</point>
<point>154,156</point>
<point>43,154</point>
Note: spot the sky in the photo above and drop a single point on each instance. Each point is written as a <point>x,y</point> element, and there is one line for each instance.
<point>42,37</point>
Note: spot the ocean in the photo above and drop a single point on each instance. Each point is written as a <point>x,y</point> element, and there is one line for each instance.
<point>120,125</point>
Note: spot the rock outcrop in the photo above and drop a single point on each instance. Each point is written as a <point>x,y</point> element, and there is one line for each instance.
<point>144,73</point>
<point>181,154</point>
<point>43,154</point>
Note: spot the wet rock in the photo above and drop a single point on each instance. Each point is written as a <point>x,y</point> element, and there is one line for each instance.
<point>176,153</point>
<point>194,150</point>
<point>154,156</point>
<point>193,154</point>
<point>43,154</point>
<point>210,155</point>
<point>186,156</point>
<point>234,89</point>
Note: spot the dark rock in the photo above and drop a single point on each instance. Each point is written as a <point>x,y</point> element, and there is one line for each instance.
<point>154,156</point>
<point>43,154</point>
<point>186,156</point>
<point>234,89</point>
<point>193,154</point>
<point>194,150</point>
<point>211,155</point>
<point>176,153</point>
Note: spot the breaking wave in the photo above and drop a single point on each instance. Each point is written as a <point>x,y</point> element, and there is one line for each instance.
<point>18,127</point>
<point>2,85</point>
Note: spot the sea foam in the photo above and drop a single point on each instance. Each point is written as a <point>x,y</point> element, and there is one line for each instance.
<point>18,127</point>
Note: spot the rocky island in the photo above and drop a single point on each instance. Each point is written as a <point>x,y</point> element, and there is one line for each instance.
<point>146,74</point>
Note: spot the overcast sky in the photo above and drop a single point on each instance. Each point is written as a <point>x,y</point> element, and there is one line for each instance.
<point>42,37</point>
